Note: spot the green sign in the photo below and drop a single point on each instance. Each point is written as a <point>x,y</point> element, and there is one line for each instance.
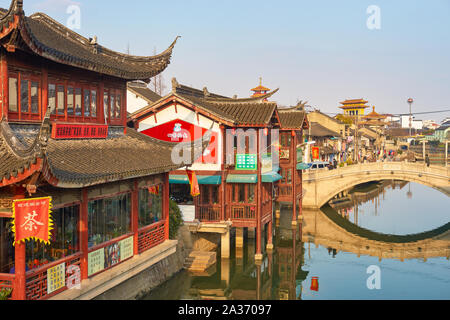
<point>246,162</point>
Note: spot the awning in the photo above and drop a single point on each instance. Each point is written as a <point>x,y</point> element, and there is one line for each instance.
<point>271,177</point>
<point>253,178</point>
<point>183,179</point>
<point>242,178</point>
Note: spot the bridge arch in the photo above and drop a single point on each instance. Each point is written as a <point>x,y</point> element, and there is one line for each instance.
<point>321,186</point>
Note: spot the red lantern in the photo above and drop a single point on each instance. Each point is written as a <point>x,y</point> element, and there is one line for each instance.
<point>315,284</point>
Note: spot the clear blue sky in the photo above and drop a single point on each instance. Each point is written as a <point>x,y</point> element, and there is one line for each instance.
<point>319,51</point>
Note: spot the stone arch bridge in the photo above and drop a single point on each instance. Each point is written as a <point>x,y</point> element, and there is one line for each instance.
<point>327,228</point>
<point>320,186</point>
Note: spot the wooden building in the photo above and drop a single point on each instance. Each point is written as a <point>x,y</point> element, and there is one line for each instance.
<point>290,188</point>
<point>236,173</point>
<point>63,134</point>
<point>355,107</point>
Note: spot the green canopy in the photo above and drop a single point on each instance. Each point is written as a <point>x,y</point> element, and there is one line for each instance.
<point>253,178</point>
<point>183,179</point>
<point>242,178</point>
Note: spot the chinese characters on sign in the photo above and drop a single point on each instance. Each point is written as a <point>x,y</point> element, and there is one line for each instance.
<point>56,278</point>
<point>126,248</point>
<point>96,262</point>
<point>246,162</point>
<point>79,131</point>
<point>315,153</point>
<point>32,220</point>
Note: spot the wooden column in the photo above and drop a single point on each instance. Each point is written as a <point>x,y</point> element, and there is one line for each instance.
<point>101,107</point>
<point>223,185</point>
<point>293,158</point>
<point>44,90</point>
<point>258,255</point>
<point>166,204</point>
<point>135,216</point>
<point>84,235</point>
<point>20,283</point>
<point>4,86</point>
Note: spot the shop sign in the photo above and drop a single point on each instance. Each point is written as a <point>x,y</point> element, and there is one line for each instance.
<point>315,153</point>
<point>181,131</point>
<point>79,131</point>
<point>96,262</point>
<point>56,278</point>
<point>246,162</point>
<point>32,220</point>
<point>126,248</point>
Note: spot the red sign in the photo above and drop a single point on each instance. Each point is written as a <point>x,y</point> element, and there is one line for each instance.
<point>32,220</point>
<point>195,188</point>
<point>315,284</point>
<point>315,153</point>
<point>79,131</point>
<point>182,131</point>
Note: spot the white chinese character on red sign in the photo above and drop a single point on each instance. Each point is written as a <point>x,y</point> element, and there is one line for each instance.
<point>31,222</point>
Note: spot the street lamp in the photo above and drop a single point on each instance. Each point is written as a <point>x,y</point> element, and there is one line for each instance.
<point>410,102</point>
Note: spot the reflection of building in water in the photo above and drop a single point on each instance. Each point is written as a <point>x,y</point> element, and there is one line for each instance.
<point>348,202</point>
<point>288,266</point>
<point>328,228</point>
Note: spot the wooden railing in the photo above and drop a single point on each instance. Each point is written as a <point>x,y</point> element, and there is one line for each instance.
<point>6,281</point>
<point>243,212</point>
<point>151,236</point>
<point>208,213</point>
<point>285,191</point>
<point>36,280</point>
<point>267,209</point>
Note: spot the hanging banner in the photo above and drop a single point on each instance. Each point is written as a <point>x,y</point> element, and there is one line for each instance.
<point>195,188</point>
<point>315,153</point>
<point>32,220</point>
<point>153,190</point>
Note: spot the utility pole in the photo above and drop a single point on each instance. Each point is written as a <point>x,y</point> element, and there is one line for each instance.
<point>410,102</point>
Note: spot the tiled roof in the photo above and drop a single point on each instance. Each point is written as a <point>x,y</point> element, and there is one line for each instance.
<point>87,162</point>
<point>291,118</point>
<point>52,40</point>
<point>144,92</point>
<point>240,112</point>
<point>318,130</point>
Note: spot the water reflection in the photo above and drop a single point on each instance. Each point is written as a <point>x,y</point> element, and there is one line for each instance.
<point>328,254</point>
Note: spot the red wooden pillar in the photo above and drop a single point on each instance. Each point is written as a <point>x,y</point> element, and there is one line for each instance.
<point>44,95</point>
<point>223,184</point>
<point>101,108</point>
<point>20,281</point>
<point>135,215</point>
<point>4,86</point>
<point>293,159</point>
<point>166,204</point>
<point>269,232</point>
<point>258,197</point>
<point>84,235</point>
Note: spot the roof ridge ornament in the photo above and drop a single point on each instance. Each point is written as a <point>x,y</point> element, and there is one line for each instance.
<point>206,92</point>
<point>175,85</point>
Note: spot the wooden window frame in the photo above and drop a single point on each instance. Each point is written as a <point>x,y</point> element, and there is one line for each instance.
<point>29,115</point>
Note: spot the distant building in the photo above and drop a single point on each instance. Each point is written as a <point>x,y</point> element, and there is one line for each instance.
<point>354,107</point>
<point>139,96</point>
<point>416,124</point>
<point>430,124</point>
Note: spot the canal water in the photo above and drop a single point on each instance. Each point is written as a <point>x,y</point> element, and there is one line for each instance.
<point>382,240</point>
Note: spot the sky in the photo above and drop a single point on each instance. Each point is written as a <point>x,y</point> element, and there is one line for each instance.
<point>322,52</point>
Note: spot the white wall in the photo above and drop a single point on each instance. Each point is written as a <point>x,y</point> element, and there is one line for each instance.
<point>185,114</point>
<point>134,103</point>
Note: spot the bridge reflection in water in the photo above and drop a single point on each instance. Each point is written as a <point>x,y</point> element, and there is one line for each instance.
<point>329,246</point>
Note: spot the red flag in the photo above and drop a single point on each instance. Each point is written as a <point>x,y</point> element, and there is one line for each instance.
<point>195,188</point>
<point>32,220</point>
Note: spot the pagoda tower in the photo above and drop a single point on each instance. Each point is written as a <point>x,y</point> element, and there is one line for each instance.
<point>260,90</point>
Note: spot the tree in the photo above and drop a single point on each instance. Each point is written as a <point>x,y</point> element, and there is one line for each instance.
<point>157,82</point>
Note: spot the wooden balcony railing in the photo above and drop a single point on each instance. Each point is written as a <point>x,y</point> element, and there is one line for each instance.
<point>208,213</point>
<point>243,212</point>
<point>151,236</point>
<point>36,280</point>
